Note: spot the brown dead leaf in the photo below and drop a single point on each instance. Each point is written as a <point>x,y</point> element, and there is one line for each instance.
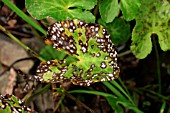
<point>11,81</point>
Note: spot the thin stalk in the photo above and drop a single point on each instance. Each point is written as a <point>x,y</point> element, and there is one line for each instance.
<point>124,53</point>
<point>63,109</point>
<point>58,104</point>
<point>157,65</point>
<point>92,92</point>
<point>21,44</point>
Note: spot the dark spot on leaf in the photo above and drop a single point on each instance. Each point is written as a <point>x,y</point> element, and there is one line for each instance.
<point>14,104</point>
<point>92,54</point>
<point>80,34</point>
<point>169,20</point>
<point>92,46</point>
<point>163,24</point>
<point>138,52</point>
<point>153,9</point>
<point>144,28</point>
<point>156,24</point>
<point>80,42</point>
<point>61,36</point>
<point>150,24</point>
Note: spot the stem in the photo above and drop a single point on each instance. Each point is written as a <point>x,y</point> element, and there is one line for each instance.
<point>157,65</point>
<point>124,53</point>
<point>21,44</point>
<point>58,104</point>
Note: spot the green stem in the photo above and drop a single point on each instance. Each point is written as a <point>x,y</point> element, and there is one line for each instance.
<point>58,104</point>
<point>21,44</point>
<point>124,53</point>
<point>157,65</point>
<point>92,92</point>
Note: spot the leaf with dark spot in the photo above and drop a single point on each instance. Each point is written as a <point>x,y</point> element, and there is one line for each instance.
<point>153,19</point>
<point>91,57</point>
<point>10,104</point>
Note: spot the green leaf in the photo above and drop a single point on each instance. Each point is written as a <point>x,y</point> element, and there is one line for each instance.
<point>118,29</point>
<point>113,103</point>
<point>61,9</point>
<point>130,8</point>
<point>123,102</point>
<point>113,100</point>
<point>163,107</point>
<point>48,52</point>
<point>109,10</point>
<point>91,55</point>
<point>113,89</point>
<point>154,18</point>
<point>6,110</point>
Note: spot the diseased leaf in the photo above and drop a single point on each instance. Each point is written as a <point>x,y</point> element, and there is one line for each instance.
<point>61,9</point>
<point>108,10</point>
<point>10,104</point>
<point>118,29</point>
<point>130,8</point>
<point>154,18</point>
<point>91,55</point>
